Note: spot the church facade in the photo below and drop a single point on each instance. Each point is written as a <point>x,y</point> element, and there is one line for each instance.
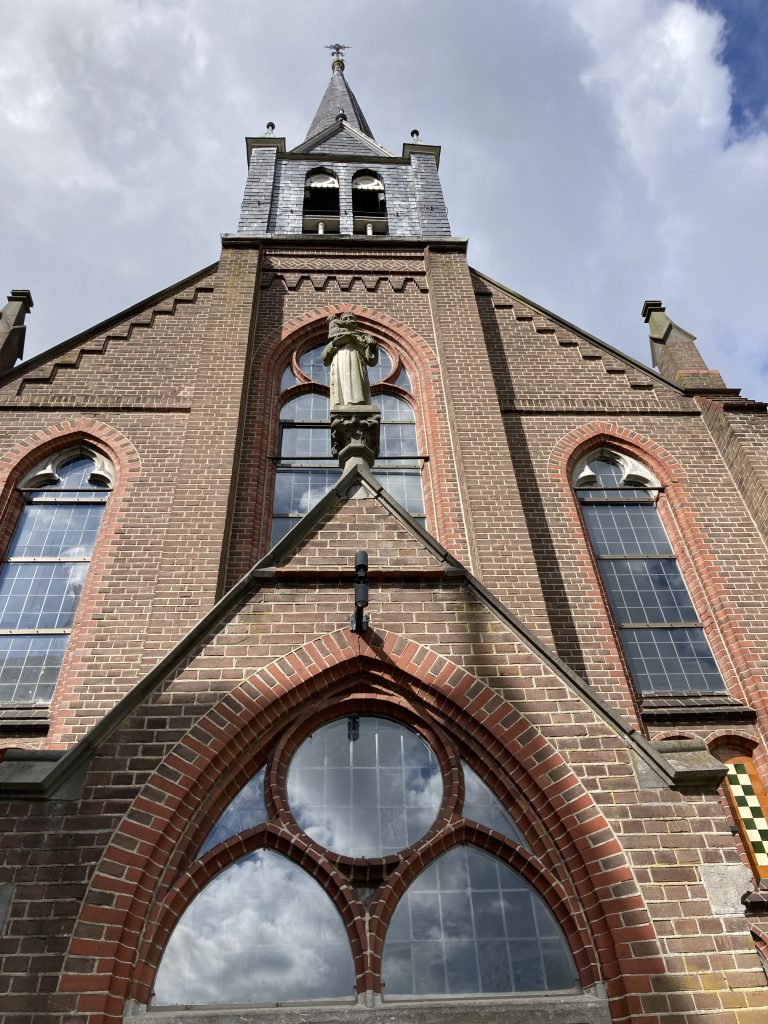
<point>375,643</point>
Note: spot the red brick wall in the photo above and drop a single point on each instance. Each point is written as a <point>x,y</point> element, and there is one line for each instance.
<point>185,402</point>
<point>623,860</point>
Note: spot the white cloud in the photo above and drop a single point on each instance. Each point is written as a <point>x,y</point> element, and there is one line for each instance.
<point>587,149</point>
<point>657,67</point>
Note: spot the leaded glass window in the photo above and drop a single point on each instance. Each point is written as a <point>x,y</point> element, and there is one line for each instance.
<point>262,931</point>
<point>471,924</point>
<point>663,639</point>
<point>316,841</point>
<point>305,470</point>
<point>365,787</point>
<point>42,577</point>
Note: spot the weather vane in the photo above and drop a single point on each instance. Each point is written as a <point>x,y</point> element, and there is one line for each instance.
<point>337,50</point>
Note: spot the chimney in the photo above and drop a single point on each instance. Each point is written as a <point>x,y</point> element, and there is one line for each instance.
<point>674,352</point>
<point>12,327</point>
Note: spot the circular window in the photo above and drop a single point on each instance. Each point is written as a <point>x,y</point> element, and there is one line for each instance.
<point>364,787</point>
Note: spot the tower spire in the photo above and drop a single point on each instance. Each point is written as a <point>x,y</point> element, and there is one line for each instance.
<point>338,102</point>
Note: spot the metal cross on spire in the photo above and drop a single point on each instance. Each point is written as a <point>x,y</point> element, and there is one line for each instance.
<point>337,50</point>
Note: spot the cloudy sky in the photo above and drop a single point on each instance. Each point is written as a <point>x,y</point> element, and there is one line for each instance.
<point>595,152</point>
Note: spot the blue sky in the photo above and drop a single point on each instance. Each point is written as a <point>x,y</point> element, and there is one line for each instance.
<point>745,52</point>
<point>596,153</point>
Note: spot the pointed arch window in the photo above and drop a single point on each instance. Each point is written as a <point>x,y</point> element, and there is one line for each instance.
<point>44,571</point>
<point>353,804</point>
<point>306,470</point>
<point>321,203</point>
<point>369,204</point>
<point>662,636</point>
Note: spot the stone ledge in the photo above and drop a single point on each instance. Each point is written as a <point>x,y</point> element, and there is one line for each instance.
<point>24,719</point>
<point>544,1009</point>
<point>658,709</point>
<point>692,766</point>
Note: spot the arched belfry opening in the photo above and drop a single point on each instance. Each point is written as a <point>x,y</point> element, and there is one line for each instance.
<point>369,204</point>
<point>321,203</point>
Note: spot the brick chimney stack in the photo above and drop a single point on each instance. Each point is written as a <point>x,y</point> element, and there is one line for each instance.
<point>674,352</point>
<point>12,327</point>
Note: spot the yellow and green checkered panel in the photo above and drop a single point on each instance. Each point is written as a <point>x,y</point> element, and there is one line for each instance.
<point>751,814</point>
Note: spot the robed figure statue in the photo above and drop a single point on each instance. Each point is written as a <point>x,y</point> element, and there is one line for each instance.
<point>349,353</point>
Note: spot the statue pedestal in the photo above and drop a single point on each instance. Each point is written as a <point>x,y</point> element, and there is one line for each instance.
<point>355,434</point>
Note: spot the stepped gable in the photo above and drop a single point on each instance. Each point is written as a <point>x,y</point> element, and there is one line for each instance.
<point>542,361</point>
<point>138,357</point>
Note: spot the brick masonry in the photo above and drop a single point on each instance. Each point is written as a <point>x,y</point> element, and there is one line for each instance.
<point>182,394</point>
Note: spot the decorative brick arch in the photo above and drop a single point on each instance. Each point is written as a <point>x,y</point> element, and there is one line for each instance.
<point>23,456</point>
<point>707,585</point>
<point>273,353</point>
<point>146,863</point>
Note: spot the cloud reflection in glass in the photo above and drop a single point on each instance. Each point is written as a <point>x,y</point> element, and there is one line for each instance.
<point>247,810</point>
<point>364,787</point>
<point>262,931</point>
<point>483,806</point>
<point>471,924</point>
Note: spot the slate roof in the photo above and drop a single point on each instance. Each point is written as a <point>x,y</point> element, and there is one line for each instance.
<point>337,96</point>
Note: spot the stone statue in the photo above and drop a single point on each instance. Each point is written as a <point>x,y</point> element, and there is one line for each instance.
<point>349,353</point>
<point>354,418</point>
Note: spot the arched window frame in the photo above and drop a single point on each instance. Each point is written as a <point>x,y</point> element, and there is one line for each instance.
<point>34,482</point>
<point>639,486</point>
<point>369,204</point>
<point>364,889</point>
<point>400,474</point>
<point>321,204</point>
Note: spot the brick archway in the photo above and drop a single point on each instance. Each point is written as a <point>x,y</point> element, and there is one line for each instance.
<point>19,459</point>
<point>707,585</point>
<point>272,354</point>
<point>129,890</point>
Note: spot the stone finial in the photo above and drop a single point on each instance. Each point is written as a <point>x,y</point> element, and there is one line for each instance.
<point>674,352</point>
<point>354,418</point>
<point>13,328</point>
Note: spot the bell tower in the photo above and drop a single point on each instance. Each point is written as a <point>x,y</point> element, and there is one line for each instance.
<point>340,181</point>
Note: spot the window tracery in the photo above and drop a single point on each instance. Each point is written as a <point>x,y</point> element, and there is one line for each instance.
<point>45,567</point>
<point>662,636</point>
<point>305,469</point>
<point>334,801</point>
